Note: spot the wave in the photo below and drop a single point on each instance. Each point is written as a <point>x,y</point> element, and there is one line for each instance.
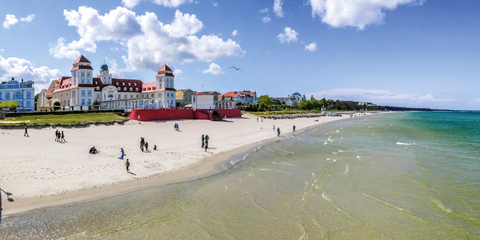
<point>346,170</point>
<point>406,144</point>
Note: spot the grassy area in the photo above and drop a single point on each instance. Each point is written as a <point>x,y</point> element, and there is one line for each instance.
<point>62,119</point>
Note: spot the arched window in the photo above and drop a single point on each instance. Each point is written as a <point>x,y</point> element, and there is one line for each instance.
<point>83,101</point>
<point>17,96</point>
<point>125,88</point>
<point>89,102</point>
<point>7,96</point>
<point>29,95</point>
<point>28,104</point>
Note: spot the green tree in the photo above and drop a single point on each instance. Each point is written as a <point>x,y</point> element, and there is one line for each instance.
<point>12,105</point>
<point>303,104</point>
<point>315,103</point>
<point>36,100</point>
<point>231,98</point>
<point>223,97</point>
<point>95,104</point>
<point>265,99</point>
<point>56,105</point>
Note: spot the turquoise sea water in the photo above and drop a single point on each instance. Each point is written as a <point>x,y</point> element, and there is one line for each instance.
<point>387,176</point>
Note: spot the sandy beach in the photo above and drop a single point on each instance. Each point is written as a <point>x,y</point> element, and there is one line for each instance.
<point>40,172</point>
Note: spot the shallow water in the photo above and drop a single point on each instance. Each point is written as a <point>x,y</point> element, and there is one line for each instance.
<point>400,176</point>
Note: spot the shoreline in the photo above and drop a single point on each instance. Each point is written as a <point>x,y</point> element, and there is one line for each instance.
<point>190,172</point>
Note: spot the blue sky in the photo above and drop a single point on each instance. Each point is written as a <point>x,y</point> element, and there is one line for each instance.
<point>414,53</point>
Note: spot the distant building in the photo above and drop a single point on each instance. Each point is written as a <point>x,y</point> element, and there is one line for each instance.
<point>183,97</point>
<point>241,96</point>
<point>21,92</point>
<point>79,91</point>
<point>203,100</point>
<point>44,101</point>
<point>284,100</point>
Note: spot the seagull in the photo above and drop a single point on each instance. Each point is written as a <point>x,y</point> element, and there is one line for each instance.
<point>237,69</point>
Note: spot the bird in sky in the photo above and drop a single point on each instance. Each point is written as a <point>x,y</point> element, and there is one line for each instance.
<point>237,69</point>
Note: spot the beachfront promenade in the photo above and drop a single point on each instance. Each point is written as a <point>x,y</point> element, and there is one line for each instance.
<point>37,166</point>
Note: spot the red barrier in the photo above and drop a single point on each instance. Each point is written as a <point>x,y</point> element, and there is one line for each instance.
<point>177,114</point>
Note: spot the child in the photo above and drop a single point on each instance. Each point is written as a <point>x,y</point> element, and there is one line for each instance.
<point>146,146</point>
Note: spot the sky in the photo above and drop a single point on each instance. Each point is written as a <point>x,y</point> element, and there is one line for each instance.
<point>410,53</point>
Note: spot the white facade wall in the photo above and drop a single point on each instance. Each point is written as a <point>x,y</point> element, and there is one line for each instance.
<point>203,102</point>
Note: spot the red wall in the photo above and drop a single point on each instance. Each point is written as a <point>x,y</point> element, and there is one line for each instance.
<point>176,114</point>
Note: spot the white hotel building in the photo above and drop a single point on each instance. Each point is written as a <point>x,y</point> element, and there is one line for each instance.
<point>21,92</point>
<point>79,91</point>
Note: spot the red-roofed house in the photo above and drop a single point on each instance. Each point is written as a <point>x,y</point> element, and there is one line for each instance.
<point>82,89</point>
<point>241,96</point>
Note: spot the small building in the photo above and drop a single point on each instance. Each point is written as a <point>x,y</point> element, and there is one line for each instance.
<point>183,97</point>
<point>284,100</point>
<point>203,100</point>
<point>225,104</point>
<point>241,96</point>
<point>21,92</point>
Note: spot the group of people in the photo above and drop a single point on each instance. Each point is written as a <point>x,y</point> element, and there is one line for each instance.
<point>59,136</point>
<point>143,144</point>
<point>205,139</point>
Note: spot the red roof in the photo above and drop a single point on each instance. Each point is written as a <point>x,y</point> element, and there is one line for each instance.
<point>48,93</point>
<point>165,68</point>
<point>242,94</point>
<point>165,71</point>
<point>81,67</point>
<point>203,93</point>
<point>82,59</point>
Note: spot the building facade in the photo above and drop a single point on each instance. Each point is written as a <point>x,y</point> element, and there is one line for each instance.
<point>184,97</point>
<point>21,92</point>
<point>241,96</point>
<point>82,89</point>
<point>203,100</point>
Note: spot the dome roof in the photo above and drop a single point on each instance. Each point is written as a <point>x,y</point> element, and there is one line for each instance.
<point>104,67</point>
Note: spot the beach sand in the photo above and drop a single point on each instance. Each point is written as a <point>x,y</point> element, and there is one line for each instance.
<point>40,172</point>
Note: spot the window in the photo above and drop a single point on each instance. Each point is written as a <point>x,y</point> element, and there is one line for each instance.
<point>0,96</point>
<point>119,96</point>
<point>98,96</point>
<point>123,84</point>
<point>136,89</point>
<point>129,84</point>
<point>17,96</point>
<point>29,95</point>
<point>83,101</point>
<point>89,102</point>
<point>117,83</point>
<point>137,96</point>
<point>125,88</point>
<point>135,84</point>
<point>131,96</point>
<point>131,89</point>
<point>125,96</point>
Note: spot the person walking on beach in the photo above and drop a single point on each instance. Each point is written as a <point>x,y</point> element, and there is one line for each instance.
<point>278,132</point>
<point>127,164</point>
<point>206,139</point>
<point>206,146</point>
<point>62,137</point>
<point>123,153</point>
<point>274,128</point>
<point>257,119</point>
<point>142,143</point>
<point>26,132</point>
<point>56,136</point>
<point>294,128</point>
<point>146,146</point>
<point>203,140</point>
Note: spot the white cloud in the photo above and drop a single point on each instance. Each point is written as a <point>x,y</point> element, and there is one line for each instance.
<point>114,49</point>
<point>113,69</point>
<point>311,47</point>
<point>235,32</point>
<point>277,8</point>
<point>130,3</point>
<point>431,98</point>
<point>289,36</point>
<point>265,10</point>
<point>10,20</point>
<point>1,50</point>
<point>171,3</point>
<point>177,71</point>
<point>358,13</point>
<point>29,18</point>
<point>62,51</point>
<point>215,4</point>
<point>213,69</point>
<point>381,97</point>
<point>266,19</point>
<point>21,68</point>
<point>149,43</point>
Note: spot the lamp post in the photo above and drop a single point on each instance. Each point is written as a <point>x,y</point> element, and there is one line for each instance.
<point>8,198</point>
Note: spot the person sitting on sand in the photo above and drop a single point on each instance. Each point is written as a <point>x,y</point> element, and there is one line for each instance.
<point>93,150</point>
<point>154,147</point>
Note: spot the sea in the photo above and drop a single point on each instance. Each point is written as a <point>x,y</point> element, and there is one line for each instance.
<point>406,175</point>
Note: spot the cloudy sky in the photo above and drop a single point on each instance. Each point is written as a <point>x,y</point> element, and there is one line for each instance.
<point>414,53</point>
